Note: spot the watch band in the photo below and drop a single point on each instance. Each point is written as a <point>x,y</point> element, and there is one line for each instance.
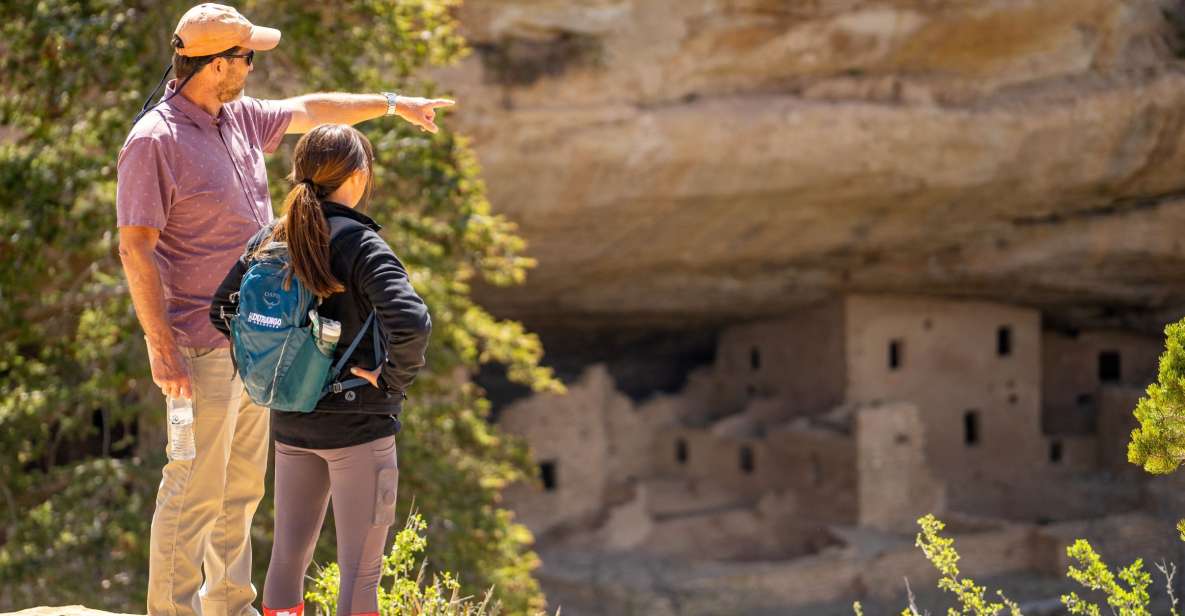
<point>391,99</point>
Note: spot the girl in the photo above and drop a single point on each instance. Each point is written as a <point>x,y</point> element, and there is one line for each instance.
<point>346,446</point>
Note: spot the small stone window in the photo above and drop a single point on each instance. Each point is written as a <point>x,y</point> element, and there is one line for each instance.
<point>1004,341</point>
<point>1055,452</point>
<point>547,472</point>
<point>1109,366</point>
<point>896,351</point>
<point>816,470</point>
<point>681,451</point>
<point>747,462</point>
<point>755,359</point>
<point>971,428</point>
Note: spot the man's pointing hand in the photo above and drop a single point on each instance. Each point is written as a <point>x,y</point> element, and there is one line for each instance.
<point>421,111</point>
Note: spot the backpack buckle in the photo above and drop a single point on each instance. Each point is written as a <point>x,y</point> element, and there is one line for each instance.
<point>337,387</point>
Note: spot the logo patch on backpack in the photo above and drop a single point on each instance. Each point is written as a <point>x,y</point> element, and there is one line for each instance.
<point>265,321</point>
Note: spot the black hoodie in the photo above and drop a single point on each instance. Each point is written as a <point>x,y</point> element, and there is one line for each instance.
<point>374,280</point>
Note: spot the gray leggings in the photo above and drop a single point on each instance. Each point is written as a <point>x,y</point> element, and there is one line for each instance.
<point>362,480</point>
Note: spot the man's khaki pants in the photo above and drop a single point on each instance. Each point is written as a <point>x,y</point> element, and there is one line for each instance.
<point>204,506</point>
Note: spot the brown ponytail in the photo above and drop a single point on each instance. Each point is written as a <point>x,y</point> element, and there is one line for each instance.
<point>307,233</point>
<point>324,159</point>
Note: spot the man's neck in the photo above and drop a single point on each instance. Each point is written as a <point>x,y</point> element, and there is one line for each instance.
<point>203,98</point>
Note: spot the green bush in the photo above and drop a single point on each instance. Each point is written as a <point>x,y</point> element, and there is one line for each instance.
<point>1158,444</point>
<point>404,589</point>
<point>88,528</point>
<point>1125,591</point>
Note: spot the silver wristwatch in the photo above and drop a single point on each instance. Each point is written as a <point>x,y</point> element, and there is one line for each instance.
<point>391,98</point>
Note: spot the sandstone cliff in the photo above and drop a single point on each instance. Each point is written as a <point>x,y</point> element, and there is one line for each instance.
<point>677,161</point>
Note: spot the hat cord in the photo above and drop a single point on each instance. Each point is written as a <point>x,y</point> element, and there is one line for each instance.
<point>148,101</point>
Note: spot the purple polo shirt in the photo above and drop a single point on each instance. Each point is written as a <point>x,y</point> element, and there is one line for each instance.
<point>201,180</point>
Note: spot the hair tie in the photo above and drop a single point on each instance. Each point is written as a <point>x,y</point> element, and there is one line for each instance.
<point>318,191</point>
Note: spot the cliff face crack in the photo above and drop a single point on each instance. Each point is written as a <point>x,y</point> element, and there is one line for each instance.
<point>1115,208</point>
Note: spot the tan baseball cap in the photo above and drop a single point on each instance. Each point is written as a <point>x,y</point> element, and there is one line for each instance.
<point>210,28</point>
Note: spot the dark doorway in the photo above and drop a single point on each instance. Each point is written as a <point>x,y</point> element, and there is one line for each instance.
<point>547,472</point>
<point>896,351</point>
<point>1109,367</point>
<point>971,428</point>
<point>1004,341</point>
<point>747,463</point>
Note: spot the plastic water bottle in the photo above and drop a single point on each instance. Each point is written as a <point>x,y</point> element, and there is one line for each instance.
<point>326,331</point>
<point>181,441</point>
<point>331,331</point>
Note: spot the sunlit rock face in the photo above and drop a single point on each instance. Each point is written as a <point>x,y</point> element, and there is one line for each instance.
<point>676,161</point>
<point>66,610</point>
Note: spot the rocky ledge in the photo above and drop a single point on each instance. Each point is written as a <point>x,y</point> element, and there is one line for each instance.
<point>675,161</point>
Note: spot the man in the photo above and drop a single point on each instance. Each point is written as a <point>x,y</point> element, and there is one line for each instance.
<point>192,189</point>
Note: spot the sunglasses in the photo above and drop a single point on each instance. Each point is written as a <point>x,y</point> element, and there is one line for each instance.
<point>250,56</point>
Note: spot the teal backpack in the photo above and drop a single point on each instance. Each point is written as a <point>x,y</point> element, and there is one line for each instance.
<point>275,335</point>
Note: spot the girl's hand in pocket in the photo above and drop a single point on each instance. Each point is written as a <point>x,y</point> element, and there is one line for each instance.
<point>371,376</point>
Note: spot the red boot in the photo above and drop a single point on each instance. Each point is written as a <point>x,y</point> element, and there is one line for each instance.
<point>290,611</point>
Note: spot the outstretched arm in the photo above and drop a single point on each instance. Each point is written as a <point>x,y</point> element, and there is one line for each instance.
<point>311,110</point>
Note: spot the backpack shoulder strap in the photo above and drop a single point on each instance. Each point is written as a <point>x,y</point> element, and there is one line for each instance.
<point>253,244</point>
<point>337,226</point>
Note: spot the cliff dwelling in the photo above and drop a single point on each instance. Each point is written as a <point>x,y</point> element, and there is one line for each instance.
<point>848,419</point>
